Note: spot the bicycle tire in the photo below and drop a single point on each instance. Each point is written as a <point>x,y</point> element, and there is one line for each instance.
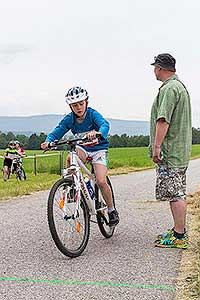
<point>74,246</point>
<point>24,174</point>
<point>102,215</point>
<point>20,174</point>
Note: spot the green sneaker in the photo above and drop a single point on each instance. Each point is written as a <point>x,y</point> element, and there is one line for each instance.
<point>172,242</point>
<point>166,235</point>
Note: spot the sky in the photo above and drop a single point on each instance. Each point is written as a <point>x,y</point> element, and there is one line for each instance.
<point>106,46</point>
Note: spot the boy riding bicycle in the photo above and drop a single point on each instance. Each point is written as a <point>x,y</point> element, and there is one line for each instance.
<point>85,119</point>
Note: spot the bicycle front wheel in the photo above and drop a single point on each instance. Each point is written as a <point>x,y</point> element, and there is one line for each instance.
<point>20,174</point>
<point>102,212</point>
<point>69,228</point>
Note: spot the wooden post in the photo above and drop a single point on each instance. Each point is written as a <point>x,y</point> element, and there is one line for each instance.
<point>35,165</point>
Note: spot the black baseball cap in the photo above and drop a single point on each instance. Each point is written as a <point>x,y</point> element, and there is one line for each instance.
<point>165,61</point>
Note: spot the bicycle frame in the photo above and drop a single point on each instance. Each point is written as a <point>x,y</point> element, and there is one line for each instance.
<point>74,170</point>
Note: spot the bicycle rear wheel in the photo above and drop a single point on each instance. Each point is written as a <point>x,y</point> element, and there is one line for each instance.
<point>69,233</point>
<point>102,212</point>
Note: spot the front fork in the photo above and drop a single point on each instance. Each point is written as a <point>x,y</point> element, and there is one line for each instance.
<point>68,197</point>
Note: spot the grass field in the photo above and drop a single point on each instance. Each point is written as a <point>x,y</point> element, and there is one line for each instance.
<point>121,160</point>
<point>118,158</point>
<point>133,158</point>
<point>14,188</point>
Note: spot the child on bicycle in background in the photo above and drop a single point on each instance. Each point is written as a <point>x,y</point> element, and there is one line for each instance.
<point>20,152</point>
<point>19,149</point>
<point>85,119</point>
<point>9,154</point>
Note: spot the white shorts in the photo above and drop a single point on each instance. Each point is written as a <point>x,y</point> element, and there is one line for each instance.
<point>98,157</point>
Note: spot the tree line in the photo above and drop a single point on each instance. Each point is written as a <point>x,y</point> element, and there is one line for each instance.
<point>33,141</point>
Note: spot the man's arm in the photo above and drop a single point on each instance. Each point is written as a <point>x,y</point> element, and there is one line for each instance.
<point>161,131</point>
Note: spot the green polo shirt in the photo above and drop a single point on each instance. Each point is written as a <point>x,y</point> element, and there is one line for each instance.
<point>173,104</point>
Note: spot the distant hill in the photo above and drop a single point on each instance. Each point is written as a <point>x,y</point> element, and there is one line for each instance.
<point>45,123</point>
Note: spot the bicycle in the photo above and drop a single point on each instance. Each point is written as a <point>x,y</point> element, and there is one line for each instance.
<point>71,204</point>
<point>18,169</point>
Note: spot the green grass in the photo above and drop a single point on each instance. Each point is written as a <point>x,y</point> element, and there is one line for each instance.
<point>136,157</point>
<point>129,157</point>
<point>195,151</point>
<point>44,164</point>
<point>121,160</point>
<point>13,187</point>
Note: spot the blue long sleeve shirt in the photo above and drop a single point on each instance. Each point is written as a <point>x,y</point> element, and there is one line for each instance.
<point>92,121</point>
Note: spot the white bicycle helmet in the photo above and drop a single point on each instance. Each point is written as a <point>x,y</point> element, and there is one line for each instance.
<point>76,94</point>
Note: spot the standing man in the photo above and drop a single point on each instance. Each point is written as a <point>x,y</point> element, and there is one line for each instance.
<point>170,147</point>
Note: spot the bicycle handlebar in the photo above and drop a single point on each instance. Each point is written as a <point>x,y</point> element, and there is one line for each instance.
<point>53,145</point>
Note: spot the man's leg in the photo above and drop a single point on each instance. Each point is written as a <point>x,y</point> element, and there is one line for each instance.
<point>177,237</point>
<point>172,184</point>
<point>178,209</point>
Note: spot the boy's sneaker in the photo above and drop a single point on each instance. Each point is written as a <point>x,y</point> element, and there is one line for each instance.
<point>113,218</point>
<point>172,242</point>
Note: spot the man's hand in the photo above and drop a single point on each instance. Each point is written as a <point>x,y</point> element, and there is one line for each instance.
<point>157,157</point>
<point>44,145</point>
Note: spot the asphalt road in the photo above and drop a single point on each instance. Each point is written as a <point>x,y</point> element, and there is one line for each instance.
<point>127,266</point>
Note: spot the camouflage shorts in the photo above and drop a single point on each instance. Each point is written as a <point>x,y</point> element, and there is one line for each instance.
<point>170,183</point>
